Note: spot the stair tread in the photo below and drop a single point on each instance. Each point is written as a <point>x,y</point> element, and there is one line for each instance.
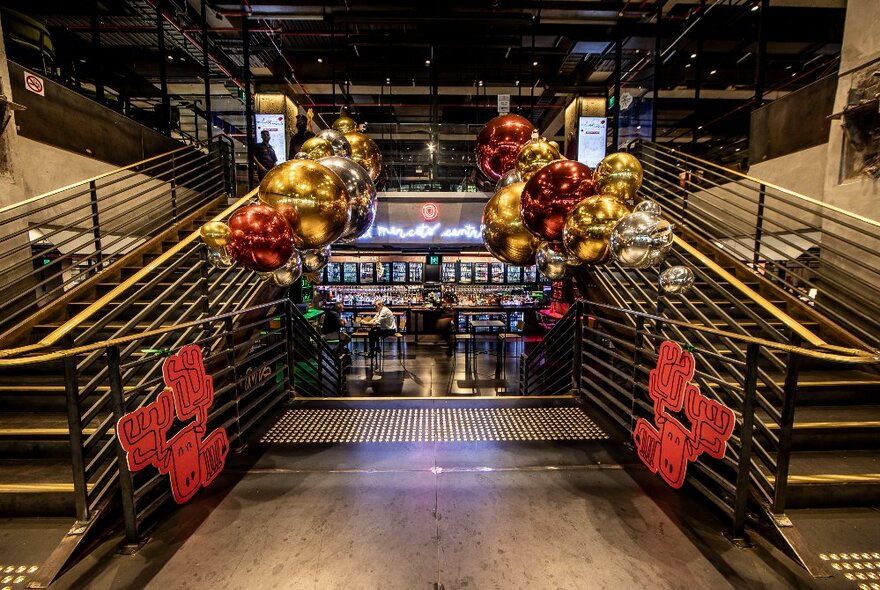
<point>834,467</point>
<point>852,416</point>
<point>41,475</point>
<point>34,424</point>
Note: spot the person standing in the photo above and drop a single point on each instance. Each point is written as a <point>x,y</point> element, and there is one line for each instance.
<point>264,155</point>
<point>301,135</point>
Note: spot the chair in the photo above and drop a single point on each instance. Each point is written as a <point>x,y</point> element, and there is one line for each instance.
<point>503,339</point>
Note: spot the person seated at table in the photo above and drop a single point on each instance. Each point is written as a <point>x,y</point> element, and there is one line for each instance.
<point>381,325</point>
<point>332,327</point>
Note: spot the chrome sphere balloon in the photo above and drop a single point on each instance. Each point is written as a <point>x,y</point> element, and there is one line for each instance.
<point>260,238</point>
<point>365,152</point>
<point>551,193</point>
<point>289,273</point>
<point>220,259</point>
<point>315,260</point>
<point>311,197</point>
<point>534,155</point>
<point>588,228</point>
<point>503,231</point>
<point>337,140</point>
<point>215,234</point>
<point>344,125</point>
<point>550,263</point>
<point>618,175</point>
<point>316,148</point>
<point>499,142</point>
<point>300,156</point>
<point>507,179</point>
<point>648,206</point>
<point>676,280</point>
<point>362,195</point>
<point>641,240</point>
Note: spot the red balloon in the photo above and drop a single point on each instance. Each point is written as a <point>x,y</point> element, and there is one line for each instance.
<point>499,142</point>
<point>550,195</point>
<point>261,240</point>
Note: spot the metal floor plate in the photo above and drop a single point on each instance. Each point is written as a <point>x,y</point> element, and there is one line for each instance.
<point>863,569</point>
<point>308,426</point>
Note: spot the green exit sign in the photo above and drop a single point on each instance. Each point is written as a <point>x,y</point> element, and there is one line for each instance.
<point>611,100</point>
<point>433,259</point>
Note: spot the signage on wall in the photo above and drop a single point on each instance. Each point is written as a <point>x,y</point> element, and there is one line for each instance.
<point>190,458</point>
<point>592,137</point>
<point>503,104</point>
<point>34,84</point>
<point>407,221</point>
<point>430,211</point>
<point>667,445</point>
<point>274,124</point>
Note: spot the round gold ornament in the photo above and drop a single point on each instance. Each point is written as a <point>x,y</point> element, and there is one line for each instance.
<point>311,198</point>
<point>505,236</point>
<point>316,148</point>
<point>534,155</point>
<point>618,175</point>
<point>589,226</point>
<point>216,235</point>
<point>344,124</point>
<point>365,152</point>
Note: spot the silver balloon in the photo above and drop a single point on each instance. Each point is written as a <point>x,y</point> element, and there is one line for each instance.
<point>641,240</point>
<point>220,258</point>
<point>508,178</point>
<point>648,206</point>
<point>550,263</point>
<point>676,280</point>
<point>315,260</point>
<point>362,194</point>
<point>337,140</point>
<point>289,273</point>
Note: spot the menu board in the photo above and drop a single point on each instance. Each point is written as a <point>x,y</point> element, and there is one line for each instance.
<point>447,272</point>
<point>367,269</point>
<point>416,272</point>
<point>383,272</point>
<point>530,274</point>
<point>332,272</point>
<point>349,272</point>
<point>481,272</point>
<point>466,272</point>
<point>496,269</point>
<point>514,274</point>
<point>398,272</point>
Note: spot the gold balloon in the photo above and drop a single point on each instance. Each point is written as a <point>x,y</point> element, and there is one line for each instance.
<point>344,124</point>
<point>505,236</point>
<point>311,198</point>
<point>554,145</point>
<point>365,152</point>
<point>618,175</point>
<point>589,226</point>
<point>534,155</point>
<point>215,235</point>
<point>316,148</point>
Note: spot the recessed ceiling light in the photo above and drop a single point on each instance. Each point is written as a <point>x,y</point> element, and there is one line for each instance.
<point>693,56</point>
<point>320,61</point>
<point>713,72</point>
<point>534,63</point>
<point>687,65</point>
<point>427,62</point>
<point>788,67</point>
<point>481,82</point>
<point>754,8</point>
<point>700,127</point>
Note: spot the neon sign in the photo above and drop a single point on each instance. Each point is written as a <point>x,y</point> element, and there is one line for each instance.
<point>425,231</point>
<point>430,211</point>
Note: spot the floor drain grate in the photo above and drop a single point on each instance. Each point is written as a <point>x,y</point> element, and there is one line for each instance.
<point>432,425</point>
<point>863,569</point>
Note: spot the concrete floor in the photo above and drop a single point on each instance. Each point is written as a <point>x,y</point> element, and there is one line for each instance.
<point>463,515</point>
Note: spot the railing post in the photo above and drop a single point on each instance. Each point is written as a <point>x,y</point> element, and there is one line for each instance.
<point>173,189</point>
<point>578,347</point>
<point>206,301</point>
<point>74,426</point>
<point>783,452</point>
<point>291,359</point>
<point>524,374</point>
<point>96,226</point>
<point>759,225</point>
<point>745,450</point>
<point>229,338</point>
<point>126,484</point>
<point>638,342</point>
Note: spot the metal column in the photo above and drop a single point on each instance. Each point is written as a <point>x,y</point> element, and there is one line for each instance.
<point>163,74</point>
<point>618,73</point>
<point>761,61</point>
<point>655,91</point>
<point>248,105</point>
<point>206,73</point>
<point>96,54</point>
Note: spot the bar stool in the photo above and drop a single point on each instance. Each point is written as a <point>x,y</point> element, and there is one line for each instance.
<point>503,339</point>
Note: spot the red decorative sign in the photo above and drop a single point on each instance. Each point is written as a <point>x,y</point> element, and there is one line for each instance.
<point>430,211</point>
<point>189,458</point>
<point>667,448</point>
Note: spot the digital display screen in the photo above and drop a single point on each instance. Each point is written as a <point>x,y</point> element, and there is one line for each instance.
<point>466,272</point>
<point>398,270</point>
<point>448,272</point>
<point>367,269</point>
<point>383,272</point>
<point>530,274</point>
<point>481,272</point>
<point>349,272</point>
<point>514,274</point>
<point>592,137</point>
<point>274,124</point>
<point>332,273</point>
<point>416,272</point>
<point>497,271</point>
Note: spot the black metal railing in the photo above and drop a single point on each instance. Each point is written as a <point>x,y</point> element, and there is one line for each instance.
<point>317,366</point>
<point>55,241</point>
<point>826,256</point>
<point>552,367</point>
<point>617,350</point>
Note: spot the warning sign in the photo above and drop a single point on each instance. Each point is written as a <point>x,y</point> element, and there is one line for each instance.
<point>34,84</point>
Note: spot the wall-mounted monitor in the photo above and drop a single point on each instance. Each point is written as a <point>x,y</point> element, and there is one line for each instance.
<point>496,271</point>
<point>332,273</point>
<point>481,272</point>
<point>448,272</point>
<point>514,274</point>
<point>367,270</point>
<point>398,272</point>
<point>349,272</point>
<point>416,272</point>
<point>383,272</point>
<point>466,272</point>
